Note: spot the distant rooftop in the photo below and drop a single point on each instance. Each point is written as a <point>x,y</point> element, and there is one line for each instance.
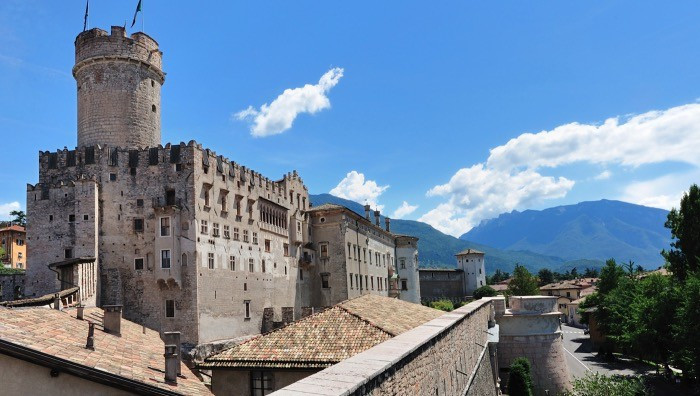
<point>13,228</point>
<point>326,338</point>
<point>469,251</point>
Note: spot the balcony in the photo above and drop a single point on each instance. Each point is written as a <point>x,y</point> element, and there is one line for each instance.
<point>167,202</point>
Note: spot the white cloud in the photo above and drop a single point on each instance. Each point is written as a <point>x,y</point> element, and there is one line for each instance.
<point>356,188</point>
<point>652,137</point>
<point>511,177</point>
<point>604,175</point>
<point>6,208</point>
<point>404,210</point>
<point>478,193</point>
<point>278,116</point>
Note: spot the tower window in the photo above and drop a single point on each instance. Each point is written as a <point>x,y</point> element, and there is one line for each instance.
<point>153,108</point>
<point>153,84</point>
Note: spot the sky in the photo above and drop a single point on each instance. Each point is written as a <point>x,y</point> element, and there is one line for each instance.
<point>445,112</point>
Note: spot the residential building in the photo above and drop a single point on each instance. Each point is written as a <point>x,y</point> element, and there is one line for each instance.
<point>566,292</point>
<point>46,351</point>
<point>13,242</point>
<point>274,360</point>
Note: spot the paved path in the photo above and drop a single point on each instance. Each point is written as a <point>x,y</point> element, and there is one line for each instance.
<point>581,359</point>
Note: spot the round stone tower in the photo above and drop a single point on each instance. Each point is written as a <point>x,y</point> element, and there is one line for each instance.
<point>119,80</point>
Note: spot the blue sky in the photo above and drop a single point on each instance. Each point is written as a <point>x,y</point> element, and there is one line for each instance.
<point>453,111</point>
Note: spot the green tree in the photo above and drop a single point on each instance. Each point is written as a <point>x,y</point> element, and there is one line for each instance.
<point>519,380</point>
<point>684,224</point>
<point>443,305</point>
<point>610,276</point>
<point>574,273</point>
<point>687,328</point>
<point>546,276</point>
<point>597,384</point>
<point>590,273</point>
<point>19,217</point>
<point>522,283</point>
<point>484,291</point>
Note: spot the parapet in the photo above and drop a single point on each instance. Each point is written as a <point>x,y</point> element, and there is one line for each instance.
<point>96,43</point>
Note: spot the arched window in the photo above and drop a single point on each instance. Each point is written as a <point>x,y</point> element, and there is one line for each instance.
<point>184,260</point>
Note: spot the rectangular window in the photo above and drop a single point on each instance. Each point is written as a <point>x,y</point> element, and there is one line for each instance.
<point>301,274</point>
<point>205,227</point>
<point>324,250</point>
<point>371,278</point>
<point>349,251</point>
<point>402,262</point>
<point>262,266</point>
<point>224,195</point>
<point>215,229</point>
<point>255,238</point>
<point>139,203</point>
<point>211,260</point>
<point>267,245</point>
<point>325,280</point>
<point>71,218</point>
<point>112,177</point>
<point>364,255</point>
<point>165,258</point>
<point>232,263</point>
<point>246,304</point>
<point>251,265</point>
<point>67,253</point>
<point>165,226</point>
<point>355,252</point>
<point>138,263</point>
<point>370,256</point>
<point>245,236</point>
<point>206,196</point>
<point>169,308</point>
<point>351,280</point>
<point>227,232</point>
<point>138,225</point>
<point>286,249</point>
<point>404,284</point>
<point>236,236</point>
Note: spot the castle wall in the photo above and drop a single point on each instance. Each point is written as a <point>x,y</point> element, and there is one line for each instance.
<point>441,284</point>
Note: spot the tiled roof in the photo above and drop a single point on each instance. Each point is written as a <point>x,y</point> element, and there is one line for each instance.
<point>325,338</point>
<point>469,251</point>
<point>136,355</point>
<point>13,228</point>
<point>560,286</point>
<point>326,206</point>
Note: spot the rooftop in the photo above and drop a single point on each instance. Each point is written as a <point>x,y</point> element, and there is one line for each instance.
<point>561,285</point>
<point>469,251</point>
<point>13,228</point>
<point>326,338</point>
<point>134,359</point>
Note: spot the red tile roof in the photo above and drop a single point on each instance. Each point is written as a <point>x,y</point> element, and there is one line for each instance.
<point>326,338</point>
<point>135,356</point>
<point>13,228</point>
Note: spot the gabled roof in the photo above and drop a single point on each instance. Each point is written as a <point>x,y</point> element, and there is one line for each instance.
<point>326,338</point>
<point>469,251</point>
<point>13,228</point>
<point>561,285</point>
<point>133,360</point>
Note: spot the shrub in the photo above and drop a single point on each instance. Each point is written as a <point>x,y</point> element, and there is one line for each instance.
<point>519,381</point>
<point>598,384</point>
<point>484,291</point>
<point>443,305</point>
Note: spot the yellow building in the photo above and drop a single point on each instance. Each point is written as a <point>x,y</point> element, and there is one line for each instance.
<point>566,291</point>
<point>12,240</point>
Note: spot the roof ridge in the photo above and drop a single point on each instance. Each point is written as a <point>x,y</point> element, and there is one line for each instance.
<point>392,334</point>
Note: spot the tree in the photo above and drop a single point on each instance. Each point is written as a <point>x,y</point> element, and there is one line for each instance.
<point>519,380</point>
<point>598,384</point>
<point>684,224</point>
<point>546,276</point>
<point>484,291</point>
<point>687,327</point>
<point>523,283</point>
<point>574,273</point>
<point>19,217</point>
<point>609,276</point>
<point>497,276</point>
<point>590,273</point>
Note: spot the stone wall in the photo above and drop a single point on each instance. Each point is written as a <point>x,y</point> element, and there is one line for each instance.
<point>439,284</point>
<point>9,285</point>
<point>436,358</point>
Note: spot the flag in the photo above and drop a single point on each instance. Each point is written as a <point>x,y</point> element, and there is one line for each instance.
<point>87,6</point>
<point>138,8</point>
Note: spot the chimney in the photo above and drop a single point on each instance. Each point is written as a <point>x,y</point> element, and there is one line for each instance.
<point>376,217</point>
<point>91,336</point>
<point>57,301</point>
<point>173,338</point>
<point>387,222</point>
<point>80,312</point>
<point>172,363</point>
<point>112,320</point>
<point>367,212</point>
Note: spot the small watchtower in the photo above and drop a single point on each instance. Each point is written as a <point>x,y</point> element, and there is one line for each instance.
<point>119,79</point>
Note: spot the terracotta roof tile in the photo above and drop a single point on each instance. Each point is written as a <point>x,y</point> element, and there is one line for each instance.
<point>325,338</point>
<point>135,355</point>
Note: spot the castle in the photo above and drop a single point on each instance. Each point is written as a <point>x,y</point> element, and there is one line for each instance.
<point>180,237</point>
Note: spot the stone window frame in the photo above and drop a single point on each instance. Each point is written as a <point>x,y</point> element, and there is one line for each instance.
<point>211,261</point>
<point>215,229</point>
<point>236,234</point>
<point>404,284</point>
<point>137,221</point>
<point>227,231</point>
<point>246,309</point>
<point>168,227</point>
<point>169,258</point>
<point>285,247</point>
<point>255,238</point>
<point>268,245</point>
<point>323,250</point>
<point>402,263</point>
<point>169,308</point>
<point>204,227</point>
<point>246,237</point>
<point>232,262</point>
<point>325,280</point>
<point>351,286</point>
<point>143,261</point>
<point>251,264</point>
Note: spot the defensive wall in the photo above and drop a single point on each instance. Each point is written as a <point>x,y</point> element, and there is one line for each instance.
<point>454,354</point>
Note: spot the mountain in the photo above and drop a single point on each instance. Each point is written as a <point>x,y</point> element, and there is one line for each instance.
<point>587,230</point>
<point>436,249</point>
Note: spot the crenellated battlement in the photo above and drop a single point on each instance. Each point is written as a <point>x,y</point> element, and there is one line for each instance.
<point>95,45</point>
